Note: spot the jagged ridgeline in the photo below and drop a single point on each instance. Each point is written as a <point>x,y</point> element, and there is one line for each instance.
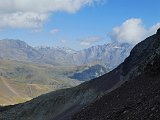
<point>111,54</point>
<point>130,91</point>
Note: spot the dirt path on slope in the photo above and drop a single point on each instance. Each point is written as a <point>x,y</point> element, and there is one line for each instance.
<point>9,87</point>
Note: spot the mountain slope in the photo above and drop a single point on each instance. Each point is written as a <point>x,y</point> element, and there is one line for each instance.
<point>22,81</point>
<point>59,105</point>
<point>17,50</point>
<point>138,98</point>
<point>111,54</point>
<point>12,92</point>
<point>56,55</point>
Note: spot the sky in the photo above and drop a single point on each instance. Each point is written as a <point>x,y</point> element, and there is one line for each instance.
<point>78,24</point>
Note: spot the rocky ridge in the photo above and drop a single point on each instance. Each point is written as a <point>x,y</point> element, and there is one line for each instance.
<point>139,97</point>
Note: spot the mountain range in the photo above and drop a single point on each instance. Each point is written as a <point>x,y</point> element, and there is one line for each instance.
<point>130,91</point>
<point>111,54</point>
<point>39,70</point>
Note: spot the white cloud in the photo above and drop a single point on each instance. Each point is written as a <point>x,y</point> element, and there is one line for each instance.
<point>55,31</point>
<point>132,31</point>
<point>90,40</point>
<point>22,20</point>
<point>33,13</point>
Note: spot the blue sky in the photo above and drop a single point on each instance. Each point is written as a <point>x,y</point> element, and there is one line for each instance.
<point>80,25</point>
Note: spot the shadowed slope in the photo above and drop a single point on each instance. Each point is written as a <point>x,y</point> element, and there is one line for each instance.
<point>138,98</point>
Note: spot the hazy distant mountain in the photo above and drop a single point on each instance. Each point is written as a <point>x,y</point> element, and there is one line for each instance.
<point>56,55</point>
<point>17,50</point>
<point>111,54</point>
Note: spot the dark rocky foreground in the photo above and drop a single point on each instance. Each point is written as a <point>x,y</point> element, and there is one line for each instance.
<point>138,99</point>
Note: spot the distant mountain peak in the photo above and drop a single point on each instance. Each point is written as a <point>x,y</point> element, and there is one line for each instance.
<point>13,43</point>
<point>17,50</point>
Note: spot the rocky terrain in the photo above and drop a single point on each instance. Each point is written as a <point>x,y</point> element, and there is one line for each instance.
<point>124,86</point>
<point>139,97</point>
<point>111,54</point>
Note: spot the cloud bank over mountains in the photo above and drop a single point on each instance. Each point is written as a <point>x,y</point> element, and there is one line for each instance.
<point>33,13</point>
<point>132,31</point>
